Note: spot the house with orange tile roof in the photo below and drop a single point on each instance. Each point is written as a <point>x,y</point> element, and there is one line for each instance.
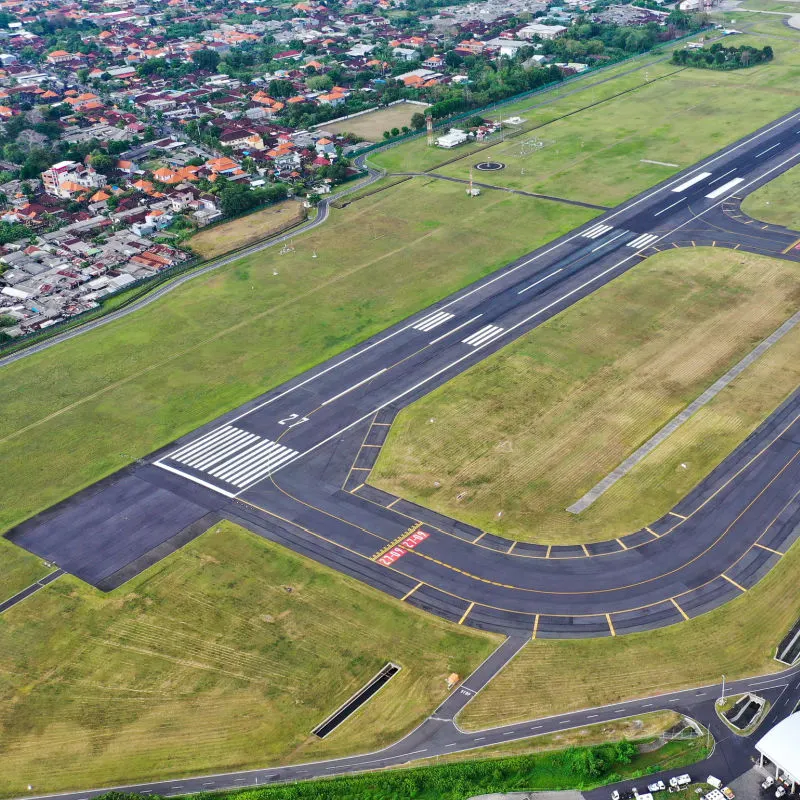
<point>59,57</point>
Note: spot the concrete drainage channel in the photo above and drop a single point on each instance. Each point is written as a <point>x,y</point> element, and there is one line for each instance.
<point>356,701</point>
<point>789,648</point>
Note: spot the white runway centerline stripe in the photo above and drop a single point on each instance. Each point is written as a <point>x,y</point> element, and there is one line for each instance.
<point>763,152</point>
<point>483,336</point>
<point>724,188</point>
<point>354,386</point>
<point>701,176</point>
<point>671,205</point>
<point>541,280</point>
<point>432,321</point>
<point>596,230</point>
<point>643,241</point>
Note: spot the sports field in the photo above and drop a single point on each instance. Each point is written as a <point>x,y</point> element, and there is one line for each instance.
<point>738,639</point>
<point>603,153</point>
<point>777,202</point>
<point>371,126</point>
<point>222,238</point>
<point>223,656</point>
<point>584,390</point>
<point>83,409</point>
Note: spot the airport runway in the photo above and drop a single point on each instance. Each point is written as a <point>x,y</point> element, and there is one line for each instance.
<point>291,465</point>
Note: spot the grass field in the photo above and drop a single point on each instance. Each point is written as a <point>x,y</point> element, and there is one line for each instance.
<point>208,662</point>
<point>739,639</point>
<point>245,230</point>
<point>582,391</point>
<point>18,569</point>
<point>599,154</point>
<point>777,202</point>
<point>76,412</point>
<point>370,127</point>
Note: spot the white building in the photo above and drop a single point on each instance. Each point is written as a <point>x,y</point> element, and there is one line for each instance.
<point>453,138</point>
<point>780,746</point>
<point>542,31</point>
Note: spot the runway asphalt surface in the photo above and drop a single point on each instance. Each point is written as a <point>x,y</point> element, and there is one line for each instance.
<point>291,465</point>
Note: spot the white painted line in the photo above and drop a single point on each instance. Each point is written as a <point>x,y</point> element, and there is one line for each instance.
<point>454,330</point>
<point>245,440</point>
<point>672,205</point>
<point>482,333</point>
<point>168,468</point>
<point>724,175</point>
<point>486,337</point>
<point>541,280</point>
<point>647,705</point>
<point>692,181</point>
<point>429,323</point>
<point>480,739</point>
<point>642,241</point>
<point>606,244</point>
<point>596,228</point>
<point>265,469</point>
<point>354,386</point>
<point>724,188</point>
<point>509,733</point>
<point>766,683</point>
<point>594,233</point>
<point>758,155</point>
<point>264,449</point>
<point>232,434</point>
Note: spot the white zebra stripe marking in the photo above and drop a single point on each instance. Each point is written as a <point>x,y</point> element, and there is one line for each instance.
<point>483,336</point>
<point>433,321</point>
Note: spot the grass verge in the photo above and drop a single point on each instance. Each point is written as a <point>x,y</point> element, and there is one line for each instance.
<point>779,200</point>
<point>223,656</point>
<point>584,390</point>
<point>738,639</point>
<point>573,768</point>
<point>220,239</point>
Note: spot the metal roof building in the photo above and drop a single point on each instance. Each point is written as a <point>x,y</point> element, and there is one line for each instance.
<point>781,746</point>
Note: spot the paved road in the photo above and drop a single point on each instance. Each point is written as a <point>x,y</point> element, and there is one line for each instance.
<point>291,465</point>
<point>440,735</point>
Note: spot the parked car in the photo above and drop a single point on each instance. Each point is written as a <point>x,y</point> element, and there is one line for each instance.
<point>768,783</point>
<point>780,792</point>
<point>715,782</point>
<point>658,786</point>
<point>680,781</point>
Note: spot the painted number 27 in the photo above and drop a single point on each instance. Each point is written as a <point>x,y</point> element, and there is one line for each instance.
<point>292,420</point>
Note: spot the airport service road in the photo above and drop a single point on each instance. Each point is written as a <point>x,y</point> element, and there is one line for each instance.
<point>440,735</point>
<point>292,465</point>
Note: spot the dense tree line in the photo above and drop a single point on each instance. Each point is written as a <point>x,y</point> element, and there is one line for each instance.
<point>719,57</point>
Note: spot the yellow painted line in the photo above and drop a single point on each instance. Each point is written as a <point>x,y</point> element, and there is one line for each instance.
<point>361,469</point>
<point>409,593</point>
<point>738,246</point>
<point>731,580</point>
<point>466,613</point>
<point>372,445</point>
<point>693,244</point>
<point>679,516</point>
<point>586,551</point>
<point>360,486</point>
<point>479,537</point>
<point>683,613</point>
<point>768,549</point>
<point>383,424</point>
<point>610,625</point>
<point>652,532</point>
<point>714,243</point>
<point>396,500</point>
<point>513,545</point>
<point>622,544</point>
<point>549,548</point>
<point>791,246</point>
<point>535,627</point>
<point>676,246</point>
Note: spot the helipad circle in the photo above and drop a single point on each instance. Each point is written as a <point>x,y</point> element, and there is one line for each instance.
<point>490,166</point>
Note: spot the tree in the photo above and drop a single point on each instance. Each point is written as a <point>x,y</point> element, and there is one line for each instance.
<point>320,83</point>
<point>102,162</point>
<point>418,121</point>
<point>207,60</point>
<point>281,88</point>
<point>395,131</point>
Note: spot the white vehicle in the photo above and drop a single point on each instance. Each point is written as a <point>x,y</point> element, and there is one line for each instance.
<point>615,795</point>
<point>768,783</point>
<point>780,792</point>
<point>715,782</point>
<point>656,787</point>
<point>681,780</point>
<point>646,796</point>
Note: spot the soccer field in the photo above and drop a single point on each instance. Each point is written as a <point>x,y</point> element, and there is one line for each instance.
<point>371,126</point>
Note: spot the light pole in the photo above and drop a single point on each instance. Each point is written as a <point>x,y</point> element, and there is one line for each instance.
<point>721,700</point>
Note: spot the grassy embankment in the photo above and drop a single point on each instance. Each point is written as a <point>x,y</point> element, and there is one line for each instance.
<point>223,656</point>
<point>584,390</point>
<point>220,239</point>
<point>778,201</point>
<point>79,411</point>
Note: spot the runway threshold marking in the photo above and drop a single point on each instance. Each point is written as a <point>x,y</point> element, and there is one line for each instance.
<point>682,612</point>
<point>732,581</point>
<point>610,625</point>
<point>535,627</point>
<point>466,613</point>
<point>768,549</point>
<point>411,591</point>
